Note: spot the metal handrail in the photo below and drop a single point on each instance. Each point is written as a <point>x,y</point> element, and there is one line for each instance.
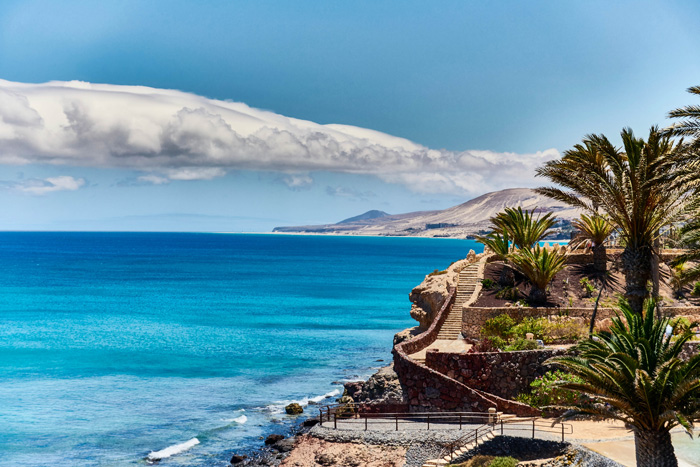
<point>539,426</point>
<point>475,435</point>
<point>354,411</point>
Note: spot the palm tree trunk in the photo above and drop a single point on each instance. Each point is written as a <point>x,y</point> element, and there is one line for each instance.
<point>654,449</point>
<point>537,295</point>
<point>636,263</point>
<point>600,258</point>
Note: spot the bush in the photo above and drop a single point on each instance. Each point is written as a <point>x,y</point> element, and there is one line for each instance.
<point>545,390</point>
<point>696,290</point>
<point>564,331</point>
<point>536,326</point>
<point>488,284</point>
<point>500,326</point>
<point>504,462</point>
<point>588,288</point>
<point>681,324</point>
<point>508,293</point>
<point>437,272</point>
<point>521,344</point>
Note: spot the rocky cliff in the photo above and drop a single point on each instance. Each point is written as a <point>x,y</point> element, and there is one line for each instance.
<point>427,298</point>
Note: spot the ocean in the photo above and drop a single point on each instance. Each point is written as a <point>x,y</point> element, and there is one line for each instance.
<point>117,346</point>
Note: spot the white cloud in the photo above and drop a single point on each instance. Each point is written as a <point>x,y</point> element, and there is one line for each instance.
<point>297,181</point>
<point>179,136</point>
<point>37,186</point>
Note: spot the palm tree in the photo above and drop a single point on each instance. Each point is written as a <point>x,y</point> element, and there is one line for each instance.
<point>633,187</point>
<point>540,266</point>
<point>522,227</point>
<point>634,374</point>
<point>500,245</point>
<point>690,125</point>
<point>597,229</point>
<point>687,265</point>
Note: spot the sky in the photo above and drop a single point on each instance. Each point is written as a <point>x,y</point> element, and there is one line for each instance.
<point>242,116</point>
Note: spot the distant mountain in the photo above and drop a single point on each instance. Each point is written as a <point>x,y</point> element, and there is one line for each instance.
<point>458,221</point>
<point>373,214</point>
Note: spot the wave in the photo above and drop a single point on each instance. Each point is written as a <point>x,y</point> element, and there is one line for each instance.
<point>240,420</point>
<point>278,406</point>
<point>172,450</point>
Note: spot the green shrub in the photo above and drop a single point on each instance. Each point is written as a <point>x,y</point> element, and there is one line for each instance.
<point>504,462</point>
<point>696,290</point>
<point>536,326</point>
<point>508,293</point>
<point>499,326</point>
<point>588,288</point>
<point>564,331</point>
<point>681,324</point>
<point>488,284</point>
<point>545,390</point>
<point>521,344</point>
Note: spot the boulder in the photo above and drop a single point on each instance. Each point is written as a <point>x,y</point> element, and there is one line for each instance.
<point>325,459</point>
<point>236,459</point>
<point>310,422</point>
<point>406,334</point>
<point>285,445</point>
<point>382,387</point>
<point>293,409</point>
<point>272,439</point>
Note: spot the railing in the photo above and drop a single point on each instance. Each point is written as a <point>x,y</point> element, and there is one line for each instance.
<point>472,437</point>
<point>415,420</point>
<point>534,426</point>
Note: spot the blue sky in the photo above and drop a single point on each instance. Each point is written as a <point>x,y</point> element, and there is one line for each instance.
<point>478,85</point>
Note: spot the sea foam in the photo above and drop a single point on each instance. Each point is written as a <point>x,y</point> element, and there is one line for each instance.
<point>278,406</point>
<point>174,449</point>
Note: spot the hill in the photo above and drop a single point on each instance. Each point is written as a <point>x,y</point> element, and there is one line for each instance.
<point>458,221</point>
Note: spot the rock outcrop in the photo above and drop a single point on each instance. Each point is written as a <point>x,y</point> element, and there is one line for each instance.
<point>429,295</point>
<point>383,387</point>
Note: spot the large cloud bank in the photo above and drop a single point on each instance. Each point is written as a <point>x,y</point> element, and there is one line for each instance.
<point>172,135</point>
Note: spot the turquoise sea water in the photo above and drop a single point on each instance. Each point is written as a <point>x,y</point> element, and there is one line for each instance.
<point>114,345</point>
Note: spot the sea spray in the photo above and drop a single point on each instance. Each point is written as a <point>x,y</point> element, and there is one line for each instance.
<point>172,450</point>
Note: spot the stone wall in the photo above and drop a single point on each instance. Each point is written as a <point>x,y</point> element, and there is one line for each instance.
<point>504,374</point>
<point>428,390</point>
<point>473,318</point>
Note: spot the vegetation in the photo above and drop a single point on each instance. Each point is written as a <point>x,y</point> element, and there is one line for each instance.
<point>522,227</point>
<point>540,266</point>
<point>547,391</point>
<point>499,243</point>
<point>488,284</point>
<point>503,331</point>
<point>521,344</point>
<point>690,123</point>
<point>634,187</point>
<point>597,229</point>
<point>588,288</point>
<point>499,326</point>
<point>634,374</point>
<point>504,462</point>
<point>437,272</point>
<point>696,290</point>
<point>508,293</point>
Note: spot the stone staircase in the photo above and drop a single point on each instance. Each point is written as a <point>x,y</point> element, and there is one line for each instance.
<point>448,459</point>
<point>468,279</point>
